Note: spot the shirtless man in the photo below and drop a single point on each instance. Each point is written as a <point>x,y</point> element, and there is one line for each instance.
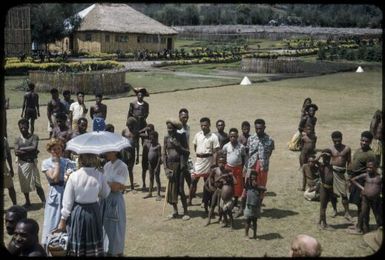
<point>223,137</point>
<point>308,143</point>
<point>245,127</point>
<point>98,114</point>
<point>326,190</point>
<point>128,154</point>
<point>371,197</point>
<point>25,240</point>
<point>30,109</point>
<point>139,109</point>
<point>341,158</point>
<point>174,151</point>
<point>54,107</point>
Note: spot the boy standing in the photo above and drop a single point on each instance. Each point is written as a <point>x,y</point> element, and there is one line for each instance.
<point>154,161</point>
<point>371,197</point>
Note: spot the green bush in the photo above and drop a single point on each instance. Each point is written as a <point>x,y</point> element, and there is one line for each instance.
<point>22,68</point>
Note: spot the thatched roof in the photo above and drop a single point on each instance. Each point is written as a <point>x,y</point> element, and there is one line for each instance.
<point>120,18</point>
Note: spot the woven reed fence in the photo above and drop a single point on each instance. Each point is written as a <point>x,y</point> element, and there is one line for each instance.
<point>17,31</point>
<point>267,65</point>
<point>93,82</point>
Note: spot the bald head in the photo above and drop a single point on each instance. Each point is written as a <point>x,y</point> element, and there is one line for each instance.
<point>305,246</point>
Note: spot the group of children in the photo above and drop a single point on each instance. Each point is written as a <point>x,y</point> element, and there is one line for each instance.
<point>356,179</point>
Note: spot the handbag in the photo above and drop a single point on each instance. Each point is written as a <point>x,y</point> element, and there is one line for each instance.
<point>57,244</point>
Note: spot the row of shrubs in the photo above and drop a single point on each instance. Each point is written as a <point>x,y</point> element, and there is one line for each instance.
<point>370,53</point>
<point>274,55</point>
<point>22,68</point>
<point>199,61</point>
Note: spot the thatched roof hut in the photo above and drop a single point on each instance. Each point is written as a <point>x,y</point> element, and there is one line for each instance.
<point>120,18</point>
<point>108,28</point>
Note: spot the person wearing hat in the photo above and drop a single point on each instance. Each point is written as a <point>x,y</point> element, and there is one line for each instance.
<point>309,117</point>
<point>175,151</point>
<point>139,109</point>
<point>326,189</point>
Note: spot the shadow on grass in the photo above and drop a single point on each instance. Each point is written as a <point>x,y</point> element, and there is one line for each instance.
<point>340,226</point>
<point>270,236</point>
<point>277,213</point>
<point>271,194</point>
<point>35,206</point>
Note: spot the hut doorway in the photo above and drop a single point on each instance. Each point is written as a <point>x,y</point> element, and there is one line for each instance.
<point>169,43</point>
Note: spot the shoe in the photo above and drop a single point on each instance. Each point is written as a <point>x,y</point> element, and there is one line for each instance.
<point>186,217</point>
<point>147,196</point>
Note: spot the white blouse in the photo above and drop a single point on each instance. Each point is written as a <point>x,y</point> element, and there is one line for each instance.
<point>116,172</point>
<point>85,185</point>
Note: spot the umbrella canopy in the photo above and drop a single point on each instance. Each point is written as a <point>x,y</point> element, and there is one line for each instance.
<point>97,143</point>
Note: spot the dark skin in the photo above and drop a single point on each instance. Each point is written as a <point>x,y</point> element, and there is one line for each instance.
<point>205,127</point>
<point>24,127</point>
<point>144,134</point>
<point>309,173</point>
<point>11,219</point>
<point>11,190</point>
<point>99,109</point>
<point>252,181</point>
<point>130,133</point>
<point>154,161</point>
<point>80,98</point>
<point>370,192</point>
<point>326,194</point>
<point>25,241</point>
<point>172,151</point>
<point>215,182</point>
<point>308,143</point>
<point>222,135</point>
<point>35,105</point>
<point>341,156</point>
<point>244,136</point>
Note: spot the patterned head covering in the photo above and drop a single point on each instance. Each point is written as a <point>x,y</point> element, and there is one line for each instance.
<point>175,123</point>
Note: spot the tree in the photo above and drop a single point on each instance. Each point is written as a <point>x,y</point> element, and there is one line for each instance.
<point>47,21</point>
<point>191,15</point>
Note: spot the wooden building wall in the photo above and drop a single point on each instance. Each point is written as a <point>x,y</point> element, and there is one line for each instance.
<point>17,31</point>
<point>108,42</point>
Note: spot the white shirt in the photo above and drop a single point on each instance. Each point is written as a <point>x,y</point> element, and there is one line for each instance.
<point>77,111</point>
<point>85,185</point>
<point>205,143</point>
<point>116,172</point>
<point>234,154</point>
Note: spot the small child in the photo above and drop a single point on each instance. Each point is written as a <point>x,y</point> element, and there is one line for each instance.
<point>214,184</point>
<point>253,207</point>
<point>308,144</point>
<point>370,197</point>
<point>154,161</point>
<point>145,136</point>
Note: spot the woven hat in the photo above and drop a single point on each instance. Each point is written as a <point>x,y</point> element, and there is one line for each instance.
<point>141,90</point>
<point>175,123</point>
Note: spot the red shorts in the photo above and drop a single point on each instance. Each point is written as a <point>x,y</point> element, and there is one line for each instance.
<point>237,172</point>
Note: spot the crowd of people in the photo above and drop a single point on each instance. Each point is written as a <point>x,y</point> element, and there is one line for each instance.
<point>86,195</point>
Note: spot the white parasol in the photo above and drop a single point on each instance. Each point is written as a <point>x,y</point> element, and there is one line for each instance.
<point>97,143</point>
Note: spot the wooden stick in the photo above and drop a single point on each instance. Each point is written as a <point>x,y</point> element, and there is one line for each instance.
<point>165,196</point>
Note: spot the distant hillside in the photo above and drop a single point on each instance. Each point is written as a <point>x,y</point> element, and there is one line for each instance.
<point>317,15</point>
